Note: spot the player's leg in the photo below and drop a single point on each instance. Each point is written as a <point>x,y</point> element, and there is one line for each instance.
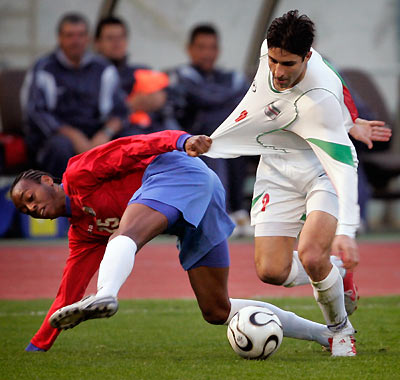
<point>209,280</point>
<point>139,224</point>
<point>314,248</point>
<point>273,258</point>
<point>277,210</point>
<point>210,287</point>
<point>315,243</point>
<point>274,266</point>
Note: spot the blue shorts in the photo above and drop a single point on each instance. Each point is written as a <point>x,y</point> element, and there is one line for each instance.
<point>188,185</point>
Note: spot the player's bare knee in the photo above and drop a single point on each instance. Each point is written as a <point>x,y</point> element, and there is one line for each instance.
<point>216,315</point>
<point>311,258</point>
<point>271,275</point>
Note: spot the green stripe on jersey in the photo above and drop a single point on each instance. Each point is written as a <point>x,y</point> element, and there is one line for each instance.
<point>338,152</point>
<point>335,71</point>
<point>254,201</point>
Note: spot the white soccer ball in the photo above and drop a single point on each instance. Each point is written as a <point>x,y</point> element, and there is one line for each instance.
<point>255,332</point>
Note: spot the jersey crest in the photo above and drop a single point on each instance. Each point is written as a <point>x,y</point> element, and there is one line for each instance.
<point>88,210</point>
<point>272,111</point>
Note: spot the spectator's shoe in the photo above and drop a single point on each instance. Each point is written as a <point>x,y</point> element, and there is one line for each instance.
<point>343,342</point>
<point>351,296</point>
<point>32,348</point>
<point>90,307</point>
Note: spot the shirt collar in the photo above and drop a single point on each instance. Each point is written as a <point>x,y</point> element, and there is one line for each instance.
<point>63,59</point>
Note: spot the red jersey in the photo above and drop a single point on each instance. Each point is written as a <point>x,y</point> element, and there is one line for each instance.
<point>100,184</point>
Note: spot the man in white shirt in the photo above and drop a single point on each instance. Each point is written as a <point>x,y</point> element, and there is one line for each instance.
<point>294,115</point>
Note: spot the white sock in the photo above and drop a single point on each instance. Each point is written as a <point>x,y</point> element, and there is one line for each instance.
<point>330,298</point>
<point>293,325</point>
<point>298,275</point>
<point>116,265</point>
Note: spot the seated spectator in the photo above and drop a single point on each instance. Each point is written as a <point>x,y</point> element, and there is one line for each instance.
<point>71,99</point>
<point>204,96</point>
<point>145,90</point>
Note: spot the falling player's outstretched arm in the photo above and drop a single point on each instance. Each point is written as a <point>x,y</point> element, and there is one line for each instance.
<point>82,264</point>
<point>124,155</point>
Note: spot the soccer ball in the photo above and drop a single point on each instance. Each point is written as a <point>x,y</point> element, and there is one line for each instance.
<point>255,332</point>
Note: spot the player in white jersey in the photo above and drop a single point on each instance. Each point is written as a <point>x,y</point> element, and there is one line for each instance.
<point>294,115</point>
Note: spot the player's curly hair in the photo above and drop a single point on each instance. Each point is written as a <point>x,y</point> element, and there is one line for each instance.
<point>32,175</point>
<point>292,32</point>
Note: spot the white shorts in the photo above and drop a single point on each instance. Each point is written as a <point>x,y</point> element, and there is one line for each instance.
<point>288,187</point>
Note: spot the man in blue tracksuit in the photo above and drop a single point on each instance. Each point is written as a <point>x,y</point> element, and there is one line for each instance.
<point>71,99</point>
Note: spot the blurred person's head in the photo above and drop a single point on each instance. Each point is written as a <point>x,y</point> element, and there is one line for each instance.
<point>203,46</point>
<point>38,194</point>
<point>73,36</point>
<point>289,41</point>
<point>111,38</point>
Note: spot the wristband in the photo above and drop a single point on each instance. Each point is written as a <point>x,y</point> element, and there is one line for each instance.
<point>180,144</point>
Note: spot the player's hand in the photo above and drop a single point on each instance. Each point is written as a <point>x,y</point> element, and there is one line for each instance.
<point>196,145</point>
<point>346,248</point>
<point>368,131</point>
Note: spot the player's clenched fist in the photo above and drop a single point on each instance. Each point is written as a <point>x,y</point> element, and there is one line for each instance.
<point>196,145</point>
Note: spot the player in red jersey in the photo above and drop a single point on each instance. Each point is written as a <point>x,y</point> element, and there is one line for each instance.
<point>172,193</point>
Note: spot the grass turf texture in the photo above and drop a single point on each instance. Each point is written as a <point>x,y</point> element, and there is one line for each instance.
<point>168,339</point>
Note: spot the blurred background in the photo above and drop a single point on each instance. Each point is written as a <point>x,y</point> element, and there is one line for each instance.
<point>359,37</point>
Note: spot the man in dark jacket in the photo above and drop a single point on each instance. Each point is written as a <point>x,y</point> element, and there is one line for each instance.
<point>71,99</point>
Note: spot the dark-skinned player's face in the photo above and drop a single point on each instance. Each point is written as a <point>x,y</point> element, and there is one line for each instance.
<point>39,200</point>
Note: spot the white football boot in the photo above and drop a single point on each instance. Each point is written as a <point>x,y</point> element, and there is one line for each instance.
<point>90,307</point>
<point>342,342</point>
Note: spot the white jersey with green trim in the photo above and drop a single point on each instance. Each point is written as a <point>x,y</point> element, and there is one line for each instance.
<point>311,115</point>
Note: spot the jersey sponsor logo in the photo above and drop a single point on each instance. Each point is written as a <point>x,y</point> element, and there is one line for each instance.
<point>108,224</point>
<point>242,115</point>
<point>272,111</point>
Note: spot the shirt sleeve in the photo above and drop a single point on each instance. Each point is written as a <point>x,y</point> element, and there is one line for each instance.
<point>119,157</point>
<point>322,126</point>
<point>82,264</point>
<point>111,96</point>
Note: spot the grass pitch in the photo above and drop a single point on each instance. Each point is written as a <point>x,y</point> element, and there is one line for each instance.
<point>169,340</point>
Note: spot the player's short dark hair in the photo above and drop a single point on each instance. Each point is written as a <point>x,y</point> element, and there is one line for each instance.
<point>110,20</point>
<point>72,18</point>
<point>202,29</point>
<point>292,32</point>
<point>32,175</point>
